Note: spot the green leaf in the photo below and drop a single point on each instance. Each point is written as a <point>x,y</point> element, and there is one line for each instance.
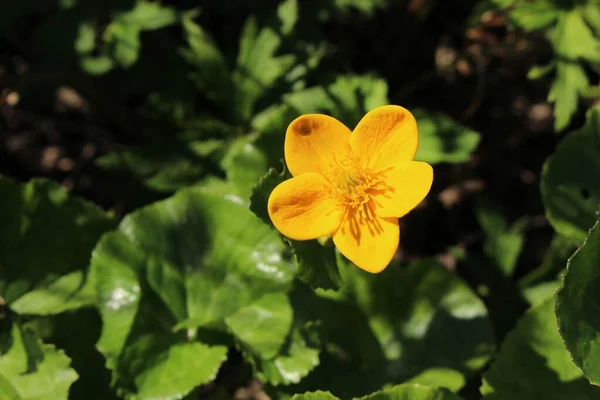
<point>257,67</point>
<point>83,325</point>
<point>262,190</point>
<point>365,6</point>
<point>412,392</point>
<point>574,40</point>
<point>244,165</point>
<point>555,259</point>
<point>96,65</point>
<point>163,375</point>
<point>570,185</point>
<point>165,169</point>
<point>212,73</point>
<point>178,264</point>
<point>440,377</point>
<point>68,292</point>
<point>122,35</point>
<point>443,140</point>
<point>30,369</point>
<point>148,15</point>
<point>399,392</point>
<point>534,15</point>
<point>395,318</point>
<point>348,98</point>
<point>591,13</point>
<point>263,326</point>
<point>539,71</point>
<point>533,363</point>
<point>317,265</point>
<point>319,395</point>
<point>578,305</point>
<point>406,307</point>
<point>537,294</point>
<point>288,15</point>
<point>46,242</point>
<point>298,357</point>
<point>570,82</point>
<point>503,244</point>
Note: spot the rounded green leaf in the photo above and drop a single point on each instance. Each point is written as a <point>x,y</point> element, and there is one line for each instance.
<point>32,370</point>
<point>178,264</point>
<point>262,326</point>
<point>46,240</point>
<point>440,377</point>
<point>443,140</point>
<point>408,308</point>
<point>396,326</point>
<point>534,364</point>
<point>295,360</point>
<point>570,184</point>
<point>578,306</point>
<point>412,392</point>
<point>319,395</point>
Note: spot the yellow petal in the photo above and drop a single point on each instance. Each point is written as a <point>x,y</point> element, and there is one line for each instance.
<point>371,246</point>
<point>314,143</point>
<point>302,209</point>
<point>385,136</point>
<point>406,185</point>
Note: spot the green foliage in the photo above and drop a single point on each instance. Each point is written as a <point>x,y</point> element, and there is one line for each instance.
<point>570,188</point>
<point>395,317</point>
<point>316,262</point>
<point>577,305</point>
<point>400,392</point>
<point>38,276</point>
<point>533,362</point>
<point>503,244</point>
<point>170,268</point>
<point>121,38</point>
<point>443,140</point>
<point>30,369</point>
<point>262,327</point>
<point>573,29</point>
<point>174,116</point>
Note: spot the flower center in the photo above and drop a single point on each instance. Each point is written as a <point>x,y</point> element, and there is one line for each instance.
<point>354,187</point>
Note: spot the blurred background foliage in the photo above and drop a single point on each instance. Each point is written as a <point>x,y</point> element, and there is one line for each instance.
<point>125,102</point>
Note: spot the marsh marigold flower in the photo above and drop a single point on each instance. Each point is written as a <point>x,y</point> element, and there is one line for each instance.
<point>351,185</point>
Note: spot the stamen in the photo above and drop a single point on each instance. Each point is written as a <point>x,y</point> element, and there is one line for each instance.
<point>354,186</point>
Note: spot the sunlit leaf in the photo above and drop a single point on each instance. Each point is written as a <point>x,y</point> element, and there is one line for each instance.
<point>185,262</point>
<point>443,140</point>
<point>258,66</point>
<point>395,318</point>
<point>244,165</point>
<point>348,98</point>
<point>412,392</point>
<point>295,360</point>
<point>262,326</point>
<point>30,369</point>
<point>573,39</point>
<point>400,392</point>
<point>68,292</point>
<point>570,185</point>
<point>503,244</point>
<point>578,302</point>
<point>533,363</point>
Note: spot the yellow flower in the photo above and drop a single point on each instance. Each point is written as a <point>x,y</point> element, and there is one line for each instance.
<point>352,185</point>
